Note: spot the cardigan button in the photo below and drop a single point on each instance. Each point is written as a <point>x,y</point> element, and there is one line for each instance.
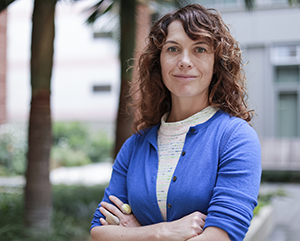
<point>183,153</point>
<point>169,205</point>
<point>174,179</point>
<point>192,130</point>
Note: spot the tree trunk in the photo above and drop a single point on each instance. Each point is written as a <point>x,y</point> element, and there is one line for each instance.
<point>127,46</point>
<point>143,25</point>
<point>38,203</point>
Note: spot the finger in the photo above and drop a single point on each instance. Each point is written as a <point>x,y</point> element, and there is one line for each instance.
<point>112,209</point>
<point>200,215</point>
<point>200,220</point>
<point>124,207</point>
<point>112,219</point>
<point>203,216</point>
<point>104,211</point>
<point>103,222</point>
<point>116,201</point>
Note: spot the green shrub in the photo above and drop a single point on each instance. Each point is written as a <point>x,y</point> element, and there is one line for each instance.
<point>74,144</point>
<point>63,156</point>
<point>75,136</point>
<point>100,147</point>
<point>13,148</point>
<point>71,134</point>
<point>281,176</point>
<point>73,209</point>
<point>266,198</point>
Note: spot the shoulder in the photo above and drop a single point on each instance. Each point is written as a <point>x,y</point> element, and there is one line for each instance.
<point>234,130</point>
<point>137,139</point>
<point>231,124</point>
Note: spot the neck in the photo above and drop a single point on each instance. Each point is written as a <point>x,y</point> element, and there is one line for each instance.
<point>185,108</point>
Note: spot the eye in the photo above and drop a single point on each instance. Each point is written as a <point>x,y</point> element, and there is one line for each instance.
<point>200,50</point>
<point>172,49</point>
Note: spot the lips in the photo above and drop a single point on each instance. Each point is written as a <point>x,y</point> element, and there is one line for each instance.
<point>185,76</point>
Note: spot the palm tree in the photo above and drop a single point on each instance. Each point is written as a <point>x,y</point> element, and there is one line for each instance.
<point>38,201</point>
<point>127,46</point>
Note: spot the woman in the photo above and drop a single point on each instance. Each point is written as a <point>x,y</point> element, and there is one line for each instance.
<point>192,170</point>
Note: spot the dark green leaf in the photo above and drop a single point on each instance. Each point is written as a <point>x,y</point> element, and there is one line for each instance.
<point>4,4</point>
<point>108,8</point>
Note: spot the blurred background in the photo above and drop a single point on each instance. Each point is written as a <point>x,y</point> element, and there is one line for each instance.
<point>62,125</point>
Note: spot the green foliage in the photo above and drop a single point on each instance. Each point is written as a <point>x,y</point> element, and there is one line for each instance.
<point>281,176</point>
<point>13,148</point>
<point>73,134</point>
<point>99,9</point>
<point>75,144</point>
<point>11,216</point>
<point>294,2</point>
<point>77,201</point>
<point>73,209</point>
<point>266,198</point>
<point>64,156</point>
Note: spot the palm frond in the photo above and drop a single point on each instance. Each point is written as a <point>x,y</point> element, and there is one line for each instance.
<point>99,9</point>
<point>4,4</point>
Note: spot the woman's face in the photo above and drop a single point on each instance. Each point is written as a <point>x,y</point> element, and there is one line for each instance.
<point>186,65</point>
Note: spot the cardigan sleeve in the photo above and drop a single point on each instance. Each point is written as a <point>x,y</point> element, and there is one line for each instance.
<point>237,185</point>
<point>117,185</point>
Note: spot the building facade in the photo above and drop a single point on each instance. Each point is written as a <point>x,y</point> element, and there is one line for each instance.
<point>269,37</point>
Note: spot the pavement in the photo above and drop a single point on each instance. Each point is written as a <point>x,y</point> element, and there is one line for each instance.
<point>92,174</point>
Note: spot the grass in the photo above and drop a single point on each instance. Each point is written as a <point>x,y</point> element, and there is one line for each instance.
<point>73,209</point>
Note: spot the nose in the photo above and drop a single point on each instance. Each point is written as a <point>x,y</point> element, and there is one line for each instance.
<point>185,61</point>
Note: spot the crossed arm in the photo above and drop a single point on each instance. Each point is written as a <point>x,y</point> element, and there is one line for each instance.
<point>189,227</point>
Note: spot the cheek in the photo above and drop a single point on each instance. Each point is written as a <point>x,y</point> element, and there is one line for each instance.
<point>165,68</point>
<point>167,63</point>
<point>209,67</point>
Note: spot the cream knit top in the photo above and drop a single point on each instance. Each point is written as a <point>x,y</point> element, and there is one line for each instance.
<point>171,137</point>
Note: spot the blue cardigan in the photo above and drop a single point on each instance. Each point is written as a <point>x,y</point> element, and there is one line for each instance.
<point>218,174</point>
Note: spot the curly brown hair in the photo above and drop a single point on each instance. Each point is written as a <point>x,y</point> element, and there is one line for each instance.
<point>227,90</point>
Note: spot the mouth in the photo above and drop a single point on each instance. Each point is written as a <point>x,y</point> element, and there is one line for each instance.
<point>185,76</point>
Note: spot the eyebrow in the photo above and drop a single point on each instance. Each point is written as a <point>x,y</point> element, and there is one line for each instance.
<point>174,42</point>
<point>171,41</point>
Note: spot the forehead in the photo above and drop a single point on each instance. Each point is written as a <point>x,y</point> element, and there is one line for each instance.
<point>177,32</point>
<point>175,29</point>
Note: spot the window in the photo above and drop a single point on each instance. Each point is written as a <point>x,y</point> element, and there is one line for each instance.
<point>286,60</point>
<point>101,88</point>
<point>287,74</point>
<point>288,111</point>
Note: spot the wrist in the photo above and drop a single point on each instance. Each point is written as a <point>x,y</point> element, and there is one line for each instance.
<point>162,231</point>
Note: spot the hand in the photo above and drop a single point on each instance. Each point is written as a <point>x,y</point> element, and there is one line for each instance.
<point>126,220</point>
<point>187,227</point>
